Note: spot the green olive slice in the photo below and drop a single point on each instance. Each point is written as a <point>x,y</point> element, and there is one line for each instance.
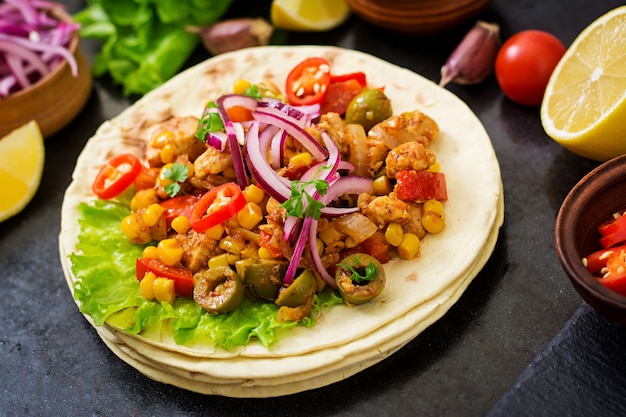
<point>218,290</point>
<point>369,107</point>
<point>360,278</point>
<point>263,279</point>
<point>301,289</point>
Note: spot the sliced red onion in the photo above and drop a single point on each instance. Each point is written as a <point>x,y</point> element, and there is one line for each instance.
<point>292,128</point>
<point>217,140</point>
<point>315,256</point>
<point>276,186</point>
<point>297,251</point>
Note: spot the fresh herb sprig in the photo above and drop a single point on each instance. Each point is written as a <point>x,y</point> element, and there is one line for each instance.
<point>371,272</point>
<point>178,174</point>
<point>211,121</point>
<point>295,204</point>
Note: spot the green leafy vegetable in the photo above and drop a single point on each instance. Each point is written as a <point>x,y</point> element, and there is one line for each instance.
<point>371,272</point>
<point>210,121</point>
<point>177,173</point>
<point>295,204</point>
<point>107,290</point>
<point>144,41</point>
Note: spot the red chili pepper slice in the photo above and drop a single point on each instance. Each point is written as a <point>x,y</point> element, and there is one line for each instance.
<point>178,206</point>
<point>307,83</point>
<point>421,185</point>
<point>216,206</point>
<point>358,76</point>
<point>615,277</point>
<point>183,278</point>
<point>116,176</point>
<point>613,232</point>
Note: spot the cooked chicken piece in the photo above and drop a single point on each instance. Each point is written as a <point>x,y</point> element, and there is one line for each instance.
<point>406,127</point>
<point>408,156</point>
<point>211,162</point>
<point>198,249</point>
<point>179,134</point>
<point>414,225</point>
<point>384,209</point>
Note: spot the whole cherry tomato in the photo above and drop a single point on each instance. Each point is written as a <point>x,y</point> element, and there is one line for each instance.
<point>524,65</point>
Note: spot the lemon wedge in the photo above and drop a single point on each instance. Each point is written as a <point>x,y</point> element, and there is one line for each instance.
<point>584,106</point>
<point>308,15</point>
<point>22,154</point>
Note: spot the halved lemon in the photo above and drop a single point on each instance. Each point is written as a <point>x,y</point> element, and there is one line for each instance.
<point>309,15</point>
<point>584,106</point>
<point>22,155</point>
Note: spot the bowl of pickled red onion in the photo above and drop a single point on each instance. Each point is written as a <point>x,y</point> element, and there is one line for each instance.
<point>590,238</point>
<point>44,75</point>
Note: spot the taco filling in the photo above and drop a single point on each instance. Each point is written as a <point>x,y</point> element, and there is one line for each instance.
<point>259,211</point>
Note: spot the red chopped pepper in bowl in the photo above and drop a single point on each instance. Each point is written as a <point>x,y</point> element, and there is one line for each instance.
<point>583,226</point>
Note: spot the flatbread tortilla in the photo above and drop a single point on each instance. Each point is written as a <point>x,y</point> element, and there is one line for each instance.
<point>345,340</point>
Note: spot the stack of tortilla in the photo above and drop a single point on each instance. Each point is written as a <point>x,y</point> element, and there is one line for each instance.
<point>345,339</point>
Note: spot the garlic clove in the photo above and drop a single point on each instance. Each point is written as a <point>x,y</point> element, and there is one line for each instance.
<point>473,59</point>
<point>233,34</point>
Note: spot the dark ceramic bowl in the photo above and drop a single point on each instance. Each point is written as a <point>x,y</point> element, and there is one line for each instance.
<point>592,201</point>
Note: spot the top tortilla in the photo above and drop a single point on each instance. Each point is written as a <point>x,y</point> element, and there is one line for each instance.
<point>448,260</point>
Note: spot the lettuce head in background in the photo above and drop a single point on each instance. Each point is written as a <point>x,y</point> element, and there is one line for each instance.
<point>144,42</point>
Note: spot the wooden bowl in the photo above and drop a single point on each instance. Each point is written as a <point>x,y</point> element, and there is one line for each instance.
<point>54,100</point>
<point>592,201</point>
<point>418,17</point>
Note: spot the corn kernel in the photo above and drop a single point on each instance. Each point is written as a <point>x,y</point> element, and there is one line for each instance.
<point>264,253</point>
<point>240,86</point>
<point>253,194</point>
<point>181,224</point>
<point>249,216</point>
<point>163,289</point>
<point>143,198</point>
<point>167,154</point>
<point>409,248</point>
<point>433,222</point>
<point>146,286</point>
<point>152,214</point>
<point>382,185</point>
<point>150,252</point>
<point>215,232</point>
<point>218,260</point>
<point>434,167</point>
<point>162,180</point>
<point>169,251</point>
<point>303,159</point>
<point>130,226</point>
<point>433,206</point>
<point>394,233</point>
<point>162,138</point>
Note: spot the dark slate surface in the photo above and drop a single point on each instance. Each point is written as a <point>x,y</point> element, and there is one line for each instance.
<point>517,343</point>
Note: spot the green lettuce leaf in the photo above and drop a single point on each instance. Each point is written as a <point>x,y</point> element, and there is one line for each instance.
<point>144,42</point>
<point>106,289</point>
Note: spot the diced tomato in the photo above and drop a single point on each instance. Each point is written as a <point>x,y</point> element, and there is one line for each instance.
<point>377,247</point>
<point>182,277</point>
<point>339,96</point>
<point>239,114</point>
<point>420,186</point>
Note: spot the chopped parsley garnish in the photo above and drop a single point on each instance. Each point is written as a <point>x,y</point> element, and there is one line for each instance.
<point>177,173</point>
<point>295,204</point>
<point>371,272</point>
<point>253,91</point>
<point>211,121</point>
